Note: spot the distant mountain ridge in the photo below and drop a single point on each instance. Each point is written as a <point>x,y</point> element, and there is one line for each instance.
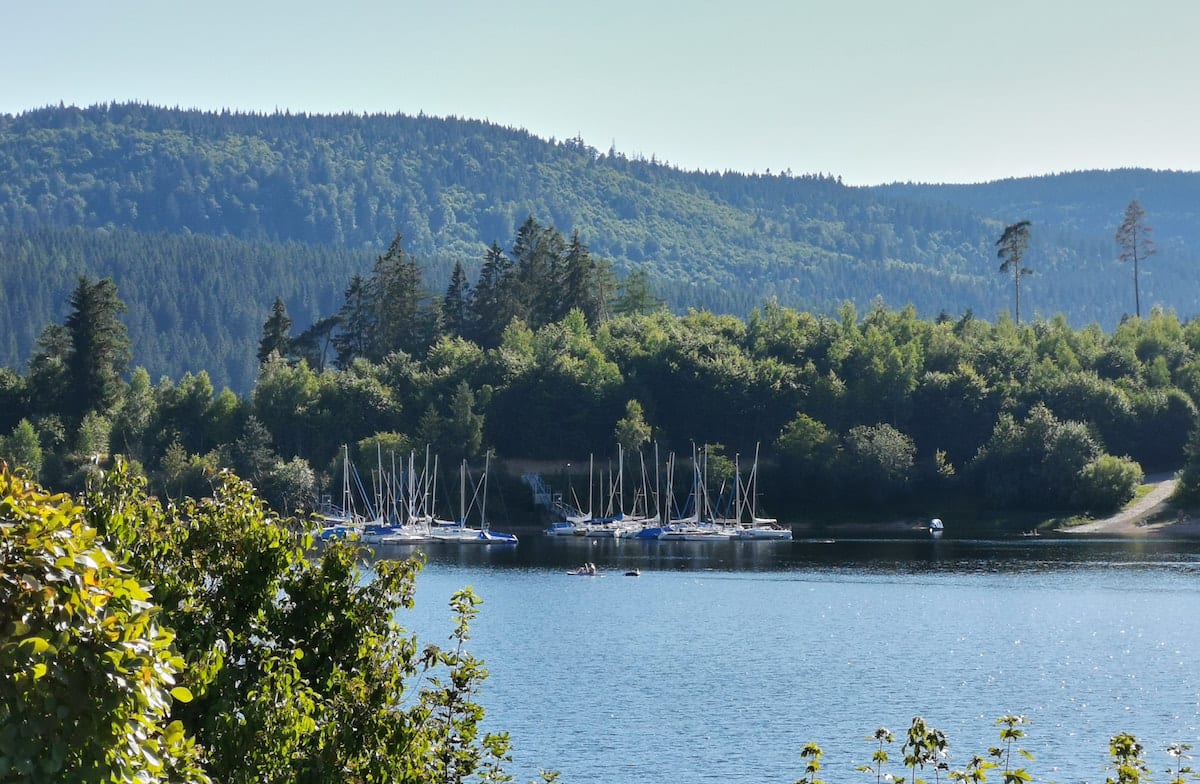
<point>300,202</point>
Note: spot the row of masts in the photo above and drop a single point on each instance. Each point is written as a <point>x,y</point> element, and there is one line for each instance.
<point>698,505</point>
<point>404,502</point>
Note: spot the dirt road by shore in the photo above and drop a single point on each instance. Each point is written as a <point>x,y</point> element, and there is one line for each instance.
<point>1146,517</point>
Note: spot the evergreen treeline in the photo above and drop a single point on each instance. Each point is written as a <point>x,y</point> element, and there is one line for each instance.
<point>195,302</point>
<point>125,176</point>
<point>854,411</point>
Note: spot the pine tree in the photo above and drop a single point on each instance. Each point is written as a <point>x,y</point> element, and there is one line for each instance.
<point>276,337</point>
<point>100,348</point>
<point>493,303</point>
<point>537,252</point>
<point>403,322</point>
<point>636,296</point>
<point>312,345</point>
<point>356,323</point>
<point>587,283</point>
<point>455,303</point>
<point>1011,250</point>
<point>1133,235</point>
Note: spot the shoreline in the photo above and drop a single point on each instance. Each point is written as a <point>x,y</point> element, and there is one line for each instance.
<point>1149,517</point>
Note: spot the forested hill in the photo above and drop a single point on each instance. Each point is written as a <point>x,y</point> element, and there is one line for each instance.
<point>302,202</point>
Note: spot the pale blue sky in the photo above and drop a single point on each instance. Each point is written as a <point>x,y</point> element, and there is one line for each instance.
<point>872,90</point>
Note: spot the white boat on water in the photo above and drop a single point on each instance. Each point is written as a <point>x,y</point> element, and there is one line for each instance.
<point>936,527</point>
<point>343,523</point>
<point>697,526</point>
<point>461,533</point>
<point>759,528</point>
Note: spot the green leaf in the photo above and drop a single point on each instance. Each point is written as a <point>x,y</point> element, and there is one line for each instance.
<point>39,645</point>
<point>39,671</point>
<point>182,693</point>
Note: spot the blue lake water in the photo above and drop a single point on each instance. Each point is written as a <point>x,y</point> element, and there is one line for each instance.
<point>722,660</point>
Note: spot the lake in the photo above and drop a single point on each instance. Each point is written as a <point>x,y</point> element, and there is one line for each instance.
<point>723,659</point>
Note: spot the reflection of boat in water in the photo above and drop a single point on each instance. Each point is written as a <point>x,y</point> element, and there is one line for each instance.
<point>936,526</point>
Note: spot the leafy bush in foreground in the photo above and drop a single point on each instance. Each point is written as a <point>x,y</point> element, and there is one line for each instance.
<point>142,642</point>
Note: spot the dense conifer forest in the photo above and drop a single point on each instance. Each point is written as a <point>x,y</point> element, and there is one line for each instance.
<point>204,218</point>
<point>201,290</point>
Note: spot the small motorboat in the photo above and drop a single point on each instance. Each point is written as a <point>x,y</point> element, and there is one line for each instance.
<point>634,573</point>
<point>936,527</point>
<point>587,570</point>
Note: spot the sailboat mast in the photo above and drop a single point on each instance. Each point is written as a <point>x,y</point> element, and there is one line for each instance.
<point>737,489</point>
<point>347,506</point>
<point>657,486</point>
<point>462,493</point>
<point>620,480</point>
<point>483,523</point>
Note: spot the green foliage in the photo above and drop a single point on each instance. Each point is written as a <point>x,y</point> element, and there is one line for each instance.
<point>100,348</point>
<point>1010,733</point>
<point>876,462</point>
<point>276,333</point>
<point>1035,463</point>
<point>203,218</point>
<point>90,671</point>
<point>631,430</point>
<point>924,745</point>
<point>298,669</point>
<point>812,754</point>
<point>1126,760</point>
<point>1106,483</point>
<point>879,757</point>
<point>1133,235</point>
<point>22,449</point>
<point>1011,250</point>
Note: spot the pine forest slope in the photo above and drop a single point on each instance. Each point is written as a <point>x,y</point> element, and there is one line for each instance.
<point>203,218</point>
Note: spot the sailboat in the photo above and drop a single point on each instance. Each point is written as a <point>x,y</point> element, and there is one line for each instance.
<point>613,525</point>
<point>572,524</point>
<point>696,527</point>
<point>759,527</point>
<point>461,533</point>
<point>414,528</point>
<point>343,523</point>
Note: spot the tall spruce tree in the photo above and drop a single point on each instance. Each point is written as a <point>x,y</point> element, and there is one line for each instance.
<point>587,283</point>
<point>356,323</point>
<point>538,252</point>
<point>277,333</point>
<point>403,320</point>
<point>1133,235</point>
<point>493,303</point>
<point>456,302</point>
<point>100,348</point>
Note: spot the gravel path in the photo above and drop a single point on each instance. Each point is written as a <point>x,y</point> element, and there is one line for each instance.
<point>1134,520</point>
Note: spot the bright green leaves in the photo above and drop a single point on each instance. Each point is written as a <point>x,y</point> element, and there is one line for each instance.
<point>85,669</point>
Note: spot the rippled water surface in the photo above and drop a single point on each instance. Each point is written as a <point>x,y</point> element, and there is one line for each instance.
<point>722,660</point>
